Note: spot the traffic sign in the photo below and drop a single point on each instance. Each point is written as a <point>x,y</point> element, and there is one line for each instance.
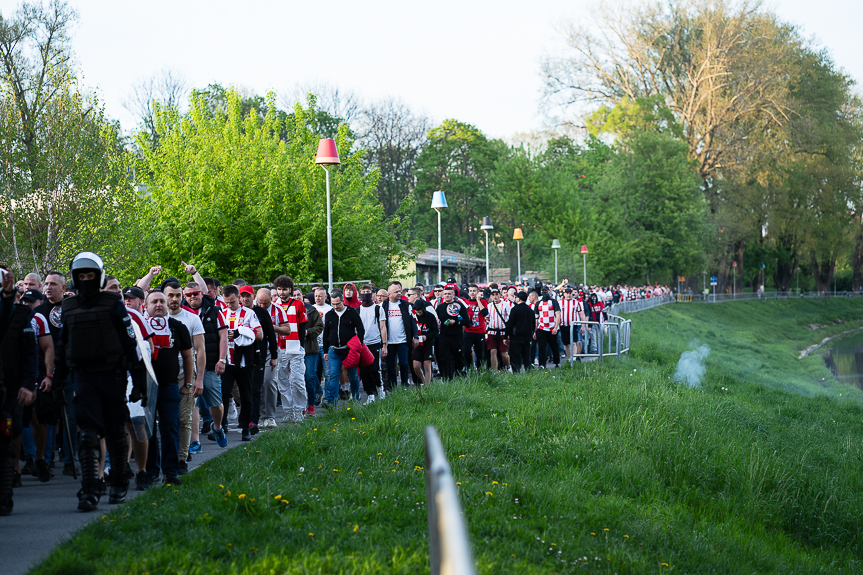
<point>712,280</point>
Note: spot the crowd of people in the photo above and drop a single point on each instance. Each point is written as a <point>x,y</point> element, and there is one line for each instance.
<point>106,375</point>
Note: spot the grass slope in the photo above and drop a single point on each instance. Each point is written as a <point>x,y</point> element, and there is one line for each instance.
<point>607,468</point>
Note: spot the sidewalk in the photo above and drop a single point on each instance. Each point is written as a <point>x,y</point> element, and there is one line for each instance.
<point>46,514</point>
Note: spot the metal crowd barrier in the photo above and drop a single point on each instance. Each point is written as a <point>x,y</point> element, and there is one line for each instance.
<point>612,337</point>
<point>449,548</point>
<point>639,304</point>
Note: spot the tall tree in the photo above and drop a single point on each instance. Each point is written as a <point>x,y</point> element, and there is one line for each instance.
<point>63,173</point>
<point>233,196</point>
<point>393,137</point>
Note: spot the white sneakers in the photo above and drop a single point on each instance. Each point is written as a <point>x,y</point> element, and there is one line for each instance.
<point>268,423</point>
<point>232,411</point>
<point>370,399</point>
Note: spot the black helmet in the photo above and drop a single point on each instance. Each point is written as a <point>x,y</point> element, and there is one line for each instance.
<point>87,261</point>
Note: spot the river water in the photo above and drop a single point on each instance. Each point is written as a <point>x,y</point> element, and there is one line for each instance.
<point>845,359</point>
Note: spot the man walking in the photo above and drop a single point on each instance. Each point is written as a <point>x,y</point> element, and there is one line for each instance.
<point>453,317</point>
<point>401,332</point>
<point>474,334</point>
<point>292,363</point>
<point>268,385</point>
<point>97,346</point>
<point>340,325</point>
<point>496,343</point>
<point>521,330</point>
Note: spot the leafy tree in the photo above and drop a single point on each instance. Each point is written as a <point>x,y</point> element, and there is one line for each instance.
<point>63,172</point>
<point>459,160</point>
<point>227,192</point>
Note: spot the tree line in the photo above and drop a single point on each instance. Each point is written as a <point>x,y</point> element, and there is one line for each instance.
<point>684,136</point>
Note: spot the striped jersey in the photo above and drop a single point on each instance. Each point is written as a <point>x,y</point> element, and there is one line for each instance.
<point>498,314</point>
<point>277,314</point>
<point>295,314</point>
<point>240,317</point>
<point>570,310</point>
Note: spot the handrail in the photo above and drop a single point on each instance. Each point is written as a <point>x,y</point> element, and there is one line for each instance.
<point>449,548</point>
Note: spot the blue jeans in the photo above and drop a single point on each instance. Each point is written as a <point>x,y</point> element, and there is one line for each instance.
<point>313,386</point>
<point>167,459</point>
<point>397,351</point>
<point>335,364</point>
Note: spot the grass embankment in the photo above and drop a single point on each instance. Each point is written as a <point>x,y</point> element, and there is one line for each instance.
<point>599,469</point>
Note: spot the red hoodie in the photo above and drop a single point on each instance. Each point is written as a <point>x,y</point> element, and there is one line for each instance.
<point>354,300</point>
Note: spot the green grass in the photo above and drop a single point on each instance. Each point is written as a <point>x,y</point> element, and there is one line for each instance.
<point>607,468</point>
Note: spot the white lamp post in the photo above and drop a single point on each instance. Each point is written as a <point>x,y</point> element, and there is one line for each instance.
<point>486,226</point>
<point>555,245</point>
<point>328,155</point>
<point>518,236</point>
<point>438,203</point>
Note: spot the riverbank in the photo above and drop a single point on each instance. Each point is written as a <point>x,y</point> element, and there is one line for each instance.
<point>760,342</point>
<point>608,467</point>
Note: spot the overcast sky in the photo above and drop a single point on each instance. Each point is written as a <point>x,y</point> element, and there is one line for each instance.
<point>477,61</point>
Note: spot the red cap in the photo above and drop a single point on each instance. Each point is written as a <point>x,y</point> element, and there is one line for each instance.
<point>247,289</point>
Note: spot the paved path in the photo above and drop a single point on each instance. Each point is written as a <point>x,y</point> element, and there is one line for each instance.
<point>46,514</point>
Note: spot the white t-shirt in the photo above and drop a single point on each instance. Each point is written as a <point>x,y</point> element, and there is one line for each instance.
<point>373,329</point>
<point>194,325</point>
<point>395,324</point>
<point>322,309</point>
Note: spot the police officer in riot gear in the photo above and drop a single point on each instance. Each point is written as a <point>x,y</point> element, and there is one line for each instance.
<point>19,357</point>
<point>97,344</point>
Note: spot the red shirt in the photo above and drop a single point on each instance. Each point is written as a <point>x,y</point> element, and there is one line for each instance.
<point>477,321</point>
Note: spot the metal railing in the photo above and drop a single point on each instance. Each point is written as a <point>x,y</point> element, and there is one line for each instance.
<point>638,304</point>
<point>449,547</point>
<point>612,337</point>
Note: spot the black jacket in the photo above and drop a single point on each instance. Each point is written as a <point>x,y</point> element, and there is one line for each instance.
<point>339,330</point>
<point>268,341</point>
<point>462,320</point>
<point>521,324</point>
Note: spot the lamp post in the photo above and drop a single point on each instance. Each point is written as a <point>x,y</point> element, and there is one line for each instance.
<point>328,155</point>
<point>486,226</point>
<point>734,281</point>
<point>438,203</point>
<point>584,255</point>
<point>704,279</point>
<point>518,236</point>
<point>555,245</point>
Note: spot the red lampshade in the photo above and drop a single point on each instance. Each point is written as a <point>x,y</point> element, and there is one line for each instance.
<point>328,154</point>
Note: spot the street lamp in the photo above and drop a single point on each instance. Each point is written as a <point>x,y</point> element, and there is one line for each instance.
<point>328,155</point>
<point>555,245</point>
<point>704,279</point>
<point>486,226</point>
<point>518,236</point>
<point>734,281</point>
<point>438,203</point>
<point>584,257</point>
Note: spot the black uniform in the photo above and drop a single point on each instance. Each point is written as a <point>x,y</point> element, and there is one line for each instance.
<point>520,328</point>
<point>20,358</point>
<point>265,350</point>
<point>449,355</point>
<point>97,346</point>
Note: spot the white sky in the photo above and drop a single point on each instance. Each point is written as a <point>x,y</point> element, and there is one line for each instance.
<point>477,61</point>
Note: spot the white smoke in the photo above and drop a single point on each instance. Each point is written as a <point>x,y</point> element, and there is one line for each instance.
<point>690,368</point>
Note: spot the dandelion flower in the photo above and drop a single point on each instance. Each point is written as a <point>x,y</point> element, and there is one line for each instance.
<point>356,528</point>
<point>489,493</point>
<point>665,564</point>
<point>494,482</point>
<point>311,534</point>
<point>606,529</point>
<point>626,536</point>
<point>593,534</point>
<point>241,496</point>
<point>277,497</point>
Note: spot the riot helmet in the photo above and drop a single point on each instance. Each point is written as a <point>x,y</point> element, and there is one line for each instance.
<point>90,262</point>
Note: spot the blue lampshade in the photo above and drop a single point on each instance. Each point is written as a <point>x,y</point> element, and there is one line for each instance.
<point>438,201</point>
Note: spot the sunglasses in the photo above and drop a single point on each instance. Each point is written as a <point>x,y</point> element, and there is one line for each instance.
<point>192,294</point>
